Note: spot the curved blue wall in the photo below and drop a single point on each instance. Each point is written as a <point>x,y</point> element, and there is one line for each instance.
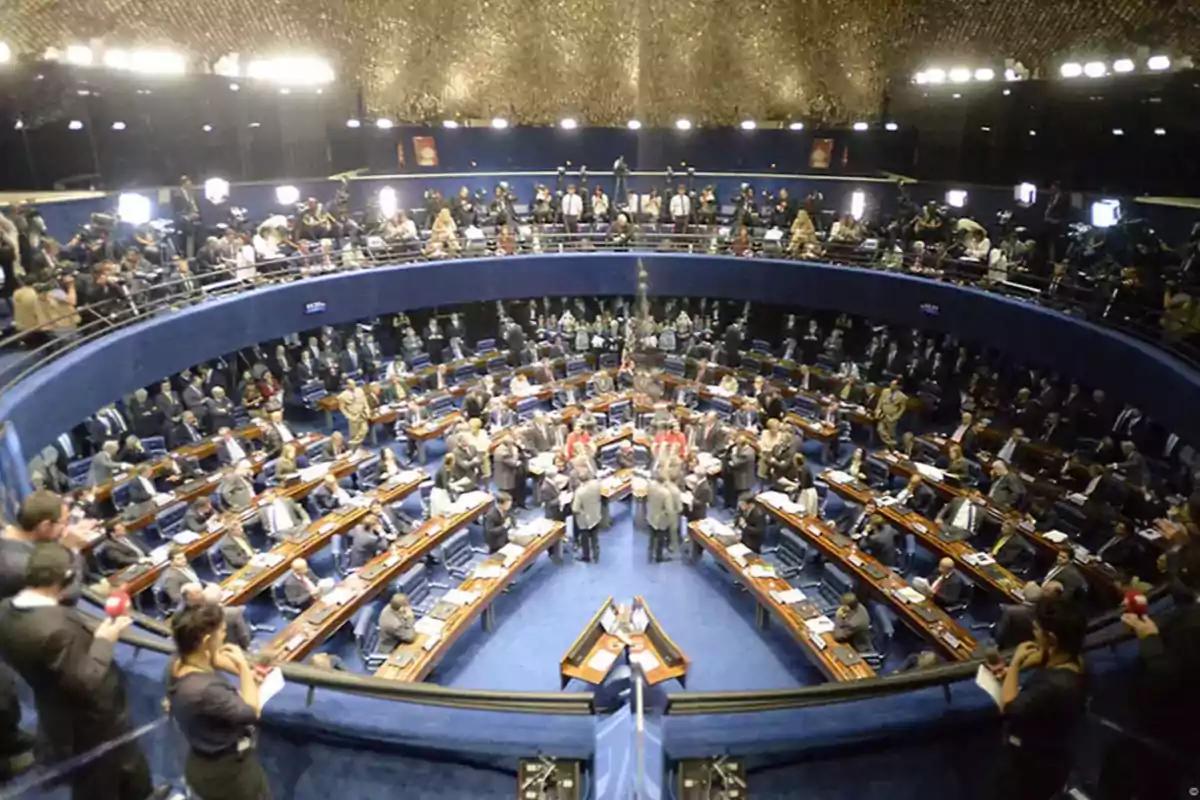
<point>58,396</point>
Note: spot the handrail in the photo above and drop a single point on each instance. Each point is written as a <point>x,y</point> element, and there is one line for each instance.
<point>1093,304</point>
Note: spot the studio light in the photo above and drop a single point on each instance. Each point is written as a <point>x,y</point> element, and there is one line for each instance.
<point>749,124</point>
<point>1010,74</point>
<point>499,123</point>
<point>1158,63</point>
<point>956,198</point>
<point>1071,69</point>
<point>19,125</point>
<point>1123,65</point>
<point>796,126</point>
<point>935,75</point>
<point>634,125</point>
<point>206,128</point>
<point>683,124</point>
<point>233,87</point>
<point>861,126</point>
<point>858,204</point>
<point>891,126</point>
<point>287,195</point>
<point>1026,194</point>
<point>450,123</point>
<point>216,190</point>
<point>960,75</point>
<point>157,62</point>
<point>1033,133</point>
<point>133,208</point>
<point>291,71</point>
<point>985,74</point>
<point>1006,92</point>
<point>921,78</point>
<point>568,124</point>
<point>1105,213</point>
<point>353,123</point>
<point>387,202</point>
<point>75,125</point>
<point>116,59</point>
<point>1118,132</point>
<point>1095,69</point>
<point>80,55</point>
<point>118,126</point>
<point>1160,131</point>
<point>5,53</point>
<point>383,123</point>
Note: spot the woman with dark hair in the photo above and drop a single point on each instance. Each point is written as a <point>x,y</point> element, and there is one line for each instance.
<point>217,719</point>
<point>1040,716</point>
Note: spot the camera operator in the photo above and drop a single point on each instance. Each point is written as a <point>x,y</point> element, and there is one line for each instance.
<point>463,209</point>
<point>784,211</point>
<point>44,301</point>
<point>707,206</point>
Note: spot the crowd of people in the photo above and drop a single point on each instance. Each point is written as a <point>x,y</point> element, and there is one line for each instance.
<point>1127,473</point>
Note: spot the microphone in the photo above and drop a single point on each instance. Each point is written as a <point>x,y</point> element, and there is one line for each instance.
<point>117,604</point>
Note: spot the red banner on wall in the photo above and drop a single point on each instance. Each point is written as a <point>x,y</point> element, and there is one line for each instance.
<point>822,154</point>
<point>425,151</point>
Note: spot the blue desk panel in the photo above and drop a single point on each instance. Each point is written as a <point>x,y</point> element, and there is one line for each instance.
<point>59,396</point>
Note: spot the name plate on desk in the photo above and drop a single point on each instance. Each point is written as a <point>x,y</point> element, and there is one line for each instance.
<point>927,613</point>
<point>375,570</point>
<point>806,610</point>
<point>443,611</point>
<point>295,642</point>
<point>840,539</point>
<point>401,660</point>
<point>874,570</point>
<point>951,639</point>
<point>322,615</point>
<point>847,655</point>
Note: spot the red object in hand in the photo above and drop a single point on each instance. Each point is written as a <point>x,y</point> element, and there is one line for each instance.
<point>117,604</point>
<point>1136,603</point>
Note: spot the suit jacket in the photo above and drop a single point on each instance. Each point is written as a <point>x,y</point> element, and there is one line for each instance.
<point>950,512</point>
<point>740,466</point>
<point>173,581</point>
<point>1014,626</point>
<point>234,554</point>
<point>102,469</point>
<point>1134,468</point>
<point>225,458</point>
<point>475,403</point>
<point>237,631</point>
<point>495,528</point>
<point>194,522</point>
<point>294,591</point>
<point>1014,552</point>
<point>540,438</point>
<point>950,590</point>
<point>138,493</point>
<point>710,439</point>
<point>855,628</point>
<point>1072,580</point>
<point>296,515</point>
<point>180,435</point>
<point>881,543</point>
<point>1008,490</point>
<point>117,554</point>
<point>78,689</point>
<point>663,506</point>
<point>395,628</point>
<point>506,466</point>
<point>753,525</point>
<point>967,440</point>
<point>1122,552</point>
<point>193,400</point>
<point>586,505</point>
<point>325,500</point>
<point>144,418</point>
<point>220,413</point>
<point>236,493</point>
<point>365,545</point>
<point>702,498</point>
<point>169,408</point>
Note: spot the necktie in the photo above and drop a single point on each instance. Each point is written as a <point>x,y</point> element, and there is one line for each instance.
<point>1000,544</point>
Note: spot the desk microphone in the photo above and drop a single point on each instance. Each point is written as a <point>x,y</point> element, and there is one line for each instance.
<point>117,603</point>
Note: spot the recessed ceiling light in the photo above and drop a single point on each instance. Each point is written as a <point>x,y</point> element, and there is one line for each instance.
<point>233,87</point>
<point>118,126</point>
<point>499,123</point>
<point>1007,92</point>
<point>449,123</point>
<point>749,124</point>
<point>1123,65</point>
<point>1160,131</point>
<point>960,75</point>
<point>255,124</point>
<point>634,125</point>
<point>796,126</point>
<point>861,126</point>
<point>1118,132</point>
<point>1158,63</point>
<point>935,75</point>
<point>75,125</point>
<point>683,124</point>
<point>206,128</point>
<point>383,123</point>
<point>985,74</point>
<point>891,126</point>
<point>353,123</point>
<point>1071,69</point>
<point>568,124</point>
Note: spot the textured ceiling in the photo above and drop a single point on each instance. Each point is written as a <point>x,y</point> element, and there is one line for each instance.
<point>608,60</point>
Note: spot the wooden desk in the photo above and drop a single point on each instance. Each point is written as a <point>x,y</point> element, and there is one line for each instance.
<point>329,613</point>
<point>592,640</point>
<point>201,486</point>
<point>253,578</point>
<point>140,577</point>
<point>1104,577</point>
<point>925,618</point>
<point>415,661</point>
<point>199,451</point>
<point>672,663</point>
<point>993,577</point>
<point>819,649</point>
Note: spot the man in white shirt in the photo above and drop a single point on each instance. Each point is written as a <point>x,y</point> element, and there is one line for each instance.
<point>962,515</point>
<point>229,449</point>
<point>681,210</point>
<point>281,516</point>
<point>572,209</point>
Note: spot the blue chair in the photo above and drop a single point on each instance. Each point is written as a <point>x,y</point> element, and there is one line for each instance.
<point>964,602</point>
<point>833,584</point>
<point>77,472</point>
<point>155,445</point>
<point>440,405</point>
<point>216,562</point>
<point>366,635</point>
<point>674,365</point>
<point>759,346</point>
<point>789,556</point>
<point>879,475</point>
<point>883,630</point>
<point>526,406</point>
<point>424,489</point>
<point>120,496</point>
<point>576,365</point>
<point>485,347</point>
<point>169,521</point>
<point>752,364</point>
<point>496,365</point>
<point>416,586</point>
<point>340,555</point>
<point>267,474</point>
<point>620,412</point>
<point>285,608</point>
<point>608,454</point>
<point>806,406</point>
<point>609,360</point>
<point>464,373</point>
<point>311,394</point>
<point>420,361</point>
<point>780,371</point>
<point>459,557</point>
<point>241,417</point>
<point>723,407</point>
<point>367,475</point>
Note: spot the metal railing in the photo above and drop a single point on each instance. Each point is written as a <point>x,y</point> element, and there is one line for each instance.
<point>1096,298</point>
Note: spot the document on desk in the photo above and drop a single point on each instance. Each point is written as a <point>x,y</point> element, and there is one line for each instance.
<point>990,684</point>
<point>1058,537</point>
<point>489,572</point>
<point>789,596</point>
<point>774,499</point>
<point>408,476</point>
<point>819,625</point>
<point>1150,534</point>
<point>429,626</point>
<point>910,595</point>
<point>738,550</point>
<point>163,499</point>
<point>978,559</point>
<point>602,660</point>
<point>458,597</point>
<point>930,472</point>
<point>185,538</point>
<point>339,596</point>
<point>646,659</point>
<point>272,684</point>
<point>760,571</point>
<point>314,472</point>
<point>716,528</point>
<point>161,554</point>
<point>837,476</point>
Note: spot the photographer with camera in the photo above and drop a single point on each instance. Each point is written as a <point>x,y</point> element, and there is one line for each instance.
<point>43,301</point>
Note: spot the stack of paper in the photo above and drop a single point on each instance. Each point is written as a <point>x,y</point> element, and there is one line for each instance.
<point>267,559</point>
<point>161,499</point>
<point>536,528</point>
<point>476,498</point>
<point>714,527</point>
<point>978,559</point>
<point>646,659</point>
<point>431,642</point>
<point>408,476</point>
<point>429,626</point>
<point>1149,533</point>
<point>339,596</point>
<point>738,550</point>
<point>458,597</point>
<point>489,571</point>
<point>639,619</point>
<point>512,550</point>
<point>774,499</point>
<point>602,660</point>
<point>789,596</point>
<point>161,554</point>
<point>314,473</point>
<point>185,537</point>
<point>911,595</point>
<point>930,472</point>
<point>1058,537</point>
<point>819,625</point>
<point>837,476</point>
<point>760,571</point>
<point>272,684</point>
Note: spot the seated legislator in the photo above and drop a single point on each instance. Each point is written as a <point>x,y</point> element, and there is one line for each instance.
<point>497,523</point>
<point>118,550</point>
<point>198,514</point>
<point>186,432</point>
<point>963,515</point>
<point>857,523</point>
<point>236,489</point>
<point>1011,550</point>
<point>1007,488</point>
<point>881,542</point>
<point>134,451</point>
<point>230,450</point>
<point>141,494</point>
<point>331,495</point>
<point>964,434</point>
<point>281,516</point>
<point>234,546</point>
<point>1015,624</point>
<point>396,624</point>
<point>335,447</point>
<point>277,433</point>
<point>602,383</point>
<point>947,586</point>
<point>178,574</point>
<point>852,623</point>
<point>287,466</point>
<point>1066,574</point>
<point>300,587</point>
<point>367,540</point>
<point>916,495</point>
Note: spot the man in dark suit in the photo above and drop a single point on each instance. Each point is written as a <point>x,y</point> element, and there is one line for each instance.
<point>710,436</point>
<point>475,402</point>
<point>1067,575</point>
<point>194,398</point>
<point>330,495</point>
<point>1122,550</point>
<point>366,542</point>
<point>277,434</point>
<point>198,514</point>
<point>78,689</point>
<point>185,433</point>
<point>1133,465</point>
<point>396,624</point>
<point>1007,488</point>
<point>234,546</point>
<point>947,586</point>
<point>144,418</point>
<point>281,516</point>
<point>1011,550</point>
<point>1016,620</point>
<point>739,470</point>
<point>497,523</point>
<point>540,435</point>
<point>168,405</point>
<point>881,542</point>
<point>118,550</point>
<point>1055,431</point>
<point>230,449</point>
<point>105,425</point>
<point>852,623</point>
<point>916,495</point>
<point>751,522</point>
<point>300,587</point>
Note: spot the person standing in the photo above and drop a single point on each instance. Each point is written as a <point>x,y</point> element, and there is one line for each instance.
<point>217,720</point>
<point>663,507</point>
<point>78,689</point>
<point>353,404</point>
<point>588,509</point>
<point>1040,716</point>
